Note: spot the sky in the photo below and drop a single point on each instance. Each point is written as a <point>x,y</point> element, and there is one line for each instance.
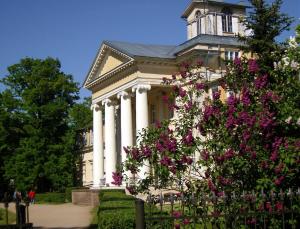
<point>72,30</point>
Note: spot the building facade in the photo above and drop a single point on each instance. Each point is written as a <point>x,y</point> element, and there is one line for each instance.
<point>126,82</point>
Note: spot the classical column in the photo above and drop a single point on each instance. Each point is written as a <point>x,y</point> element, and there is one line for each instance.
<point>110,141</point>
<point>98,158</point>
<point>126,122</point>
<point>142,120</point>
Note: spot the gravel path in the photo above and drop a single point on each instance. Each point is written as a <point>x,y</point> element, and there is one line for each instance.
<point>58,215</point>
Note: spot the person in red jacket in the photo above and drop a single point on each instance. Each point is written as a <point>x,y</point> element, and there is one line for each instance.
<point>31,196</point>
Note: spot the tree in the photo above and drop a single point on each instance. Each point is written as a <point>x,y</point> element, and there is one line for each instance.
<point>36,103</point>
<point>265,22</point>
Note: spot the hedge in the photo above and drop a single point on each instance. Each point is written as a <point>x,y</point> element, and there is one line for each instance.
<point>50,197</point>
<point>116,210</point>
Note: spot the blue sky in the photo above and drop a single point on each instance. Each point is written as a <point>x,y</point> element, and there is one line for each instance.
<point>72,30</point>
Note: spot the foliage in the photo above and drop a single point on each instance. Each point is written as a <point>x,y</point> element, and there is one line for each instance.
<point>50,197</point>
<point>39,123</point>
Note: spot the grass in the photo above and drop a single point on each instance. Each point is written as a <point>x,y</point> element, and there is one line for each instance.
<point>11,217</point>
<point>50,198</point>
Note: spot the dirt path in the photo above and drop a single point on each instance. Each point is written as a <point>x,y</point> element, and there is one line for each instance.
<point>58,216</point>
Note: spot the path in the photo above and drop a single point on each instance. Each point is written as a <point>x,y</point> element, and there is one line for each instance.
<point>58,215</point>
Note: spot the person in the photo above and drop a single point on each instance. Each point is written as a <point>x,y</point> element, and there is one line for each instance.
<point>17,195</point>
<point>31,196</point>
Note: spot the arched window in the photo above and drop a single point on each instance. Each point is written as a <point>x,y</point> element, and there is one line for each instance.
<point>227,20</point>
<point>198,21</point>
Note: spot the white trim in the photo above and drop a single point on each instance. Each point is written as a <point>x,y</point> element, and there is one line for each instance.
<point>127,86</point>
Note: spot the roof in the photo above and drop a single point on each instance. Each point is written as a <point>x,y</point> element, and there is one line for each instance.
<point>209,40</point>
<point>143,50</point>
<point>170,51</point>
<point>212,2</point>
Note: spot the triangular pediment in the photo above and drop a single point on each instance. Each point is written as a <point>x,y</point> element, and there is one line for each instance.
<point>107,61</point>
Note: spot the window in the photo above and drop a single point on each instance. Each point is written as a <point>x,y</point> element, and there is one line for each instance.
<point>227,20</point>
<point>198,21</point>
<point>231,55</point>
<point>153,113</point>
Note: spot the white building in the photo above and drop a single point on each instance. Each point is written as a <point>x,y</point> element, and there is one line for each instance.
<point>125,81</point>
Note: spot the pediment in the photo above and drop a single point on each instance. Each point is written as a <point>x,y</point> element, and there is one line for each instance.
<point>107,61</point>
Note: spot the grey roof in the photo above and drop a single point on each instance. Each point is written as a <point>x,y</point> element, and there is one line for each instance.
<point>133,49</point>
<point>170,51</point>
<point>209,40</point>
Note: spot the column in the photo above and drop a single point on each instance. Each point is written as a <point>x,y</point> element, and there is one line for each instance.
<point>98,157</point>
<point>110,141</point>
<point>142,118</point>
<point>126,123</point>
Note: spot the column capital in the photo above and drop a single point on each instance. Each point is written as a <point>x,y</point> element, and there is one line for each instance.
<point>124,94</point>
<point>109,102</point>
<point>95,106</point>
<point>141,88</point>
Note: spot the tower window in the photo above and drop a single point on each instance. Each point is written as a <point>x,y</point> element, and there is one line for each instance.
<point>198,21</point>
<point>227,20</point>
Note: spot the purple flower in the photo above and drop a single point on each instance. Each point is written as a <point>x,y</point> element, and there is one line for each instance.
<point>186,160</point>
<point>253,66</point>
<point>166,161</point>
<point>246,135</point>
<point>261,81</point>
<point>117,177</point>
<point>200,86</point>
<point>208,112</point>
<point>182,92</point>
<point>204,155</point>
<point>146,151</point>
<point>237,61</point>
<point>279,180</point>
<point>232,100</point>
<point>278,168</point>
<point>186,221</point>
<point>135,153</point>
<point>216,95</point>
<point>266,121</point>
<point>188,139</point>
<point>159,147</point>
<point>253,155</point>
<point>211,186</point>
<point>229,154</point>
<point>183,74</point>
<point>274,156</point>
<point>230,122</point>
<point>246,97</point>
<point>188,106</point>
<point>176,214</point>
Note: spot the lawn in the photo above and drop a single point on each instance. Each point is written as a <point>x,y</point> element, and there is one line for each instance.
<point>11,217</point>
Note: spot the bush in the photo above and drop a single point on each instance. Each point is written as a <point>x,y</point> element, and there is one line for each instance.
<point>116,210</point>
<point>50,197</point>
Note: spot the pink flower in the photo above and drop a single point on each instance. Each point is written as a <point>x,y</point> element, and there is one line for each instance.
<point>253,155</point>
<point>183,74</point>
<point>186,160</point>
<point>199,63</point>
<point>269,206</point>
